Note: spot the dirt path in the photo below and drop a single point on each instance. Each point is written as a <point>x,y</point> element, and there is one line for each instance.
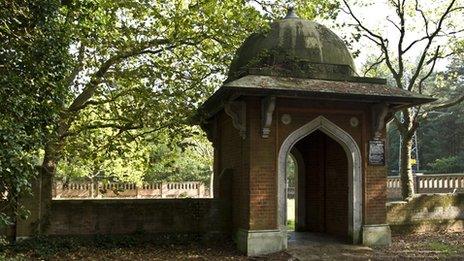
<point>432,246</point>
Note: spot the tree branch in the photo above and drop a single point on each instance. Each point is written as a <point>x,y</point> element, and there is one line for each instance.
<point>123,127</point>
<point>379,41</point>
<point>426,22</point>
<point>89,90</point>
<point>399,124</point>
<point>78,67</point>
<point>378,61</point>
<point>434,60</point>
<point>100,102</point>
<point>393,23</point>
<point>447,104</point>
<point>400,12</point>
<point>429,43</point>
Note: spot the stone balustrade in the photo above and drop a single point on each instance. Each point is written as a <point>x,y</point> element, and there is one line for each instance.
<point>81,190</point>
<point>428,184</point>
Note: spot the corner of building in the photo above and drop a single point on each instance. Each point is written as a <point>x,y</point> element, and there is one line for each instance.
<point>261,242</point>
<point>376,235</point>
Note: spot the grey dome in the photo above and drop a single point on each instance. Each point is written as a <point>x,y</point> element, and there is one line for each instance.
<point>293,39</point>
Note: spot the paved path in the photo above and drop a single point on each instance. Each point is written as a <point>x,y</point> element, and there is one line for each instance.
<point>312,246</point>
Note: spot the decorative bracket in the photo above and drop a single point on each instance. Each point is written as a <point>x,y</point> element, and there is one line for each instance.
<point>267,109</point>
<point>237,111</point>
<point>379,115</point>
<point>210,127</point>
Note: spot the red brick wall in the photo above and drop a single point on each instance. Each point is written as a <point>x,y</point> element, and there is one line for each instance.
<point>126,216</point>
<point>263,170</point>
<point>231,151</point>
<point>375,196</point>
<point>375,192</point>
<point>254,159</point>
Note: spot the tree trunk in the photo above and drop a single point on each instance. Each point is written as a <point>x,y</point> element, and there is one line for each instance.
<point>407,179</point>
<point>47,172</point>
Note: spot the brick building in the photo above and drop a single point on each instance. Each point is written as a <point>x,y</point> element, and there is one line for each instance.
<point>294,90</point>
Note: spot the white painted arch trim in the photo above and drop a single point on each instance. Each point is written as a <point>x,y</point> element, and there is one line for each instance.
<point>354,171</point>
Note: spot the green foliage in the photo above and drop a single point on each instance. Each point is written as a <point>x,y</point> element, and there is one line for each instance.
<point>451,164</point>
<point>443,247</point>
<point>33,64</point>
<point>291,225</point>
<point>276,9</point>
<point>191,160</point>
<point>154,63</point>
<point>144,69</point>
<point>109,87</point>
<point>98,155</point>
<point>442,134</point>
<point>291,171</point>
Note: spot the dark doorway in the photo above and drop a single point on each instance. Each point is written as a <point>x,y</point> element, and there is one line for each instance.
<point>323,186</point>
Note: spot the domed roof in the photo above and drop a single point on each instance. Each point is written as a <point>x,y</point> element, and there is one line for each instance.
<point>293,40</point>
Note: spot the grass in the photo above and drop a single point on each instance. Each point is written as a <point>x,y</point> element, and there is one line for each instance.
<point>291,225</point>
<point>443,248</point>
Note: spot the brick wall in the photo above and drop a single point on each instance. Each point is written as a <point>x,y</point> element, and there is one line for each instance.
<point>253,160</point>
<point>375,192</point>
<point>263,170</point>
<point>126,216</point>
<point>230,155</point>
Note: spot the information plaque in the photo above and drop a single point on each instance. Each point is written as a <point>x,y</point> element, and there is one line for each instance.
<point>377,153</point>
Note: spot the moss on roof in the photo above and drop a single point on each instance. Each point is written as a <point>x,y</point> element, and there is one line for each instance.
<point>291,40</point>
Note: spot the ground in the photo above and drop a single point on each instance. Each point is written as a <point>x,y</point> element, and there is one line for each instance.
<point>437,246</point>
<point>419,247</point>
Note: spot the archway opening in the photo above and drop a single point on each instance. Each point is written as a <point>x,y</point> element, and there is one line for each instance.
<point>321,185</point>
<point>354,184</point>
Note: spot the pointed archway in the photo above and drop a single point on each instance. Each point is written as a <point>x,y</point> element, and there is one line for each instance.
<point>353,154</point>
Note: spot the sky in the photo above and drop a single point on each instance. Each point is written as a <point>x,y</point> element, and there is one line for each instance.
<point>375,15</point>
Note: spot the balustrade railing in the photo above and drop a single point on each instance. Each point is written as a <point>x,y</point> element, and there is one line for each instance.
<point>428,183</point>
<point>129,190</point>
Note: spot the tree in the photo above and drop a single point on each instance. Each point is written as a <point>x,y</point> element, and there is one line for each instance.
<point>438,22</point>
<point>147,90</point>
<point>143,68</point>
<point>137,70</point>
<point>140,68</point>
<point>275,9</point>
<point>33,61</point>
<point>442,132</point>
<point>95,156</point>
<point>191,161</point>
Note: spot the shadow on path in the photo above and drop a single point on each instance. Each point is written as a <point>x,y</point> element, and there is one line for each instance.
<point>314,246</point>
